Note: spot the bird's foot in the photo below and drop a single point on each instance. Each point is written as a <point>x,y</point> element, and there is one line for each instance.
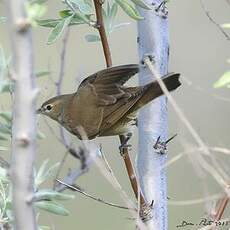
<point>124,142</point>
<point>160,146</point>
<point>123,147</point>
<point>135,122</point>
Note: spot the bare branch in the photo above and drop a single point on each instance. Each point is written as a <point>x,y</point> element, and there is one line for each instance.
<point>24,120</point>
<point>102,32</point>
<point>107,54</point>
<point>86,160</point>
<point>116,185</point>
<point>91,196</point>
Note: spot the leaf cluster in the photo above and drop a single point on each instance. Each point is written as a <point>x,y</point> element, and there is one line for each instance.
<point>44,199</point>
<point>80,12</point>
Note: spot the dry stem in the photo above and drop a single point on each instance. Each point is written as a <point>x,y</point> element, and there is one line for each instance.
<point>107,54</point>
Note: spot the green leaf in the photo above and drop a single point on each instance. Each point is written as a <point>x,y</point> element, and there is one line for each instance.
<point>40,177</point>
<point>129,9</point>
<point>78,13</point>
<point>3,148</point>
<point>83,6</point>
<point>44,227</point>
<point>48,22</point>
<point>40,135</point>
<point>142,4</point>
<point>34,11</point>
<point>38,1</point>
<point>42,73</point>
<point>5,129</point>
<point>65,13</point>
<point>5,86</point>
<point>44,173</point>
<point>77,19</point>
<point>2,19</point>
<point>6,115</point>
<point>48,194</point>
<point>92,38</point>
<point>3,174</point>
<point>223,81</point>
<point>113,12</point>
<point>57,31</point>
<point>52,207</point>
<point>226,25</point>
<point>3,137</point>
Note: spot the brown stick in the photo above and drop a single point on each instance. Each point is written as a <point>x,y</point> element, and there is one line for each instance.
<point>222,204</point>
<point>130,171</point>
<point>125,153</point>
<point>101,29</point>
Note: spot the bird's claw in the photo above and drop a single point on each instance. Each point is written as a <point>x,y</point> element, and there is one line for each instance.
<point>124,143</point>
<point>124,146</point>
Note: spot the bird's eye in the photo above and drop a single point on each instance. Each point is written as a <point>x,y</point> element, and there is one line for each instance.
<point>49,107</point>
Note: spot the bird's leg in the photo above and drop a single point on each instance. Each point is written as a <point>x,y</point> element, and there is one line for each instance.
<point>124,142</point>
<point>130,169</point>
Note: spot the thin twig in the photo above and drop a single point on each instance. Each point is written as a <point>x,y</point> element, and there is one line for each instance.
<point>116,185</point>
<point>107,54</point>
<point>63,138</point>
<point>91,196</point>
<point>102,32</point>
<point>213,21</point>
<point>62,62</point>
<point>60,81</point>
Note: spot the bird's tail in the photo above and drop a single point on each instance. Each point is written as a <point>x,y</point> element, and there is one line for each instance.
<point>153,89</point>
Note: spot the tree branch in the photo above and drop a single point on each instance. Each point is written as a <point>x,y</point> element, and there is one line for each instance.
<point>91,196</point>
<point>107,54</point>
<point>24,120</point>
<point>153,40</point>
<point>101,29</point>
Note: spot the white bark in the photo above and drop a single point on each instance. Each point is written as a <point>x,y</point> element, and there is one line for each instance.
<point>24,129</point>
<point>152,123</point>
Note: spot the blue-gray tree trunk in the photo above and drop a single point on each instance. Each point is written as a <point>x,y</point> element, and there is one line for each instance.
<point>153,40</point>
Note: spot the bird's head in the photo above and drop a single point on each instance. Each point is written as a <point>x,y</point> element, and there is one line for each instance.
<point>54,107</point>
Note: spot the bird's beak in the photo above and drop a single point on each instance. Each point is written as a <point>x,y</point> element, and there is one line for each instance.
<point>39,111</point>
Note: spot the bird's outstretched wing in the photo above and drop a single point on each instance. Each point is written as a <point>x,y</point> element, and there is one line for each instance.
<point>108,83</point>
<point>96,94</point>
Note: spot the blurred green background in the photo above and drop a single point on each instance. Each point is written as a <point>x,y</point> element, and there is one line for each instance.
<point>198,51</point>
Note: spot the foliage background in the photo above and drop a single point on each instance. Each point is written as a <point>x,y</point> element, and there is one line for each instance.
<point>197,50</point>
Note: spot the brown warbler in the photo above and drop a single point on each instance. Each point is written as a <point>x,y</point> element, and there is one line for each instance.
<point>102,105</point>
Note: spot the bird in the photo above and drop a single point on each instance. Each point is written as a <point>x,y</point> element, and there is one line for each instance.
<point>103,105</point>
